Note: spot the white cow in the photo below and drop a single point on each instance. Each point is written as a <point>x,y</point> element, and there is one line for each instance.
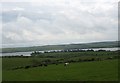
<point>65,64</point>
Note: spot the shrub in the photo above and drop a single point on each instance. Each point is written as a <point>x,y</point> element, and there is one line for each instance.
<point>26,67</point>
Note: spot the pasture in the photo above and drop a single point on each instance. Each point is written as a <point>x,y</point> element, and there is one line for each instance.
<point>88,71</point>
<point>83,67</point>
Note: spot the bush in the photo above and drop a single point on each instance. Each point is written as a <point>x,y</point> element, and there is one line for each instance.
<point>92,59</point>
<point>26,67</point>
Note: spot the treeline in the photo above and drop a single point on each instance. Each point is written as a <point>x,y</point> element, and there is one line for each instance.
<point>69,50</point>
<point>66,54</point>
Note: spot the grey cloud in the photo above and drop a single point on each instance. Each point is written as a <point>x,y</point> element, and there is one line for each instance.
<point>9,16</point>
<point>59,23</point>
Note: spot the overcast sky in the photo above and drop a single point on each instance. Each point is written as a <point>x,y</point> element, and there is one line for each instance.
<point>49,22</point>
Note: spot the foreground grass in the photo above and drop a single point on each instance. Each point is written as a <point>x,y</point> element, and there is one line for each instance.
<point>88,71</point>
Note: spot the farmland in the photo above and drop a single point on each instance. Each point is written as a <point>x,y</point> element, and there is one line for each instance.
<point>94,71</point>
<point>84,66</point>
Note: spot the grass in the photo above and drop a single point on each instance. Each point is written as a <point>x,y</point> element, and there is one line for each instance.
<point>0,69</point>
<point>8,63</point>
<point>84,71</point>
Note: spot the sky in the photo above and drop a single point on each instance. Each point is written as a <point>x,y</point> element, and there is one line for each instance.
<point>51,22</point>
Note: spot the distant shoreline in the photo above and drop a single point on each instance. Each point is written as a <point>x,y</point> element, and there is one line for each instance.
<point>110,44</point>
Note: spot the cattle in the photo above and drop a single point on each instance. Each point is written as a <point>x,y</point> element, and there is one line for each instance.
<point>65,64</point>
<point>110,58</point>
<point>40,65</point>
<point>45,65</point>
<point>35,66</point>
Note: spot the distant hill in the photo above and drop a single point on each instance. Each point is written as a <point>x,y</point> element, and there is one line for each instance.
<point>109,44</point>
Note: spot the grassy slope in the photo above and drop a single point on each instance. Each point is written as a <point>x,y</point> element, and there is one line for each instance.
<point>95,71</point>
<point>9,63</point>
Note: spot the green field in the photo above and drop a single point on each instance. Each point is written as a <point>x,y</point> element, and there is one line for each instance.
<point>0,69</point>
<point>88,71</point>
<point>81,67</point>
<point>9,63</point>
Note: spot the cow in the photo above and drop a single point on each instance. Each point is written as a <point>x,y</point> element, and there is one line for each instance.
<point>45,65</point>
<point>65,64</point>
